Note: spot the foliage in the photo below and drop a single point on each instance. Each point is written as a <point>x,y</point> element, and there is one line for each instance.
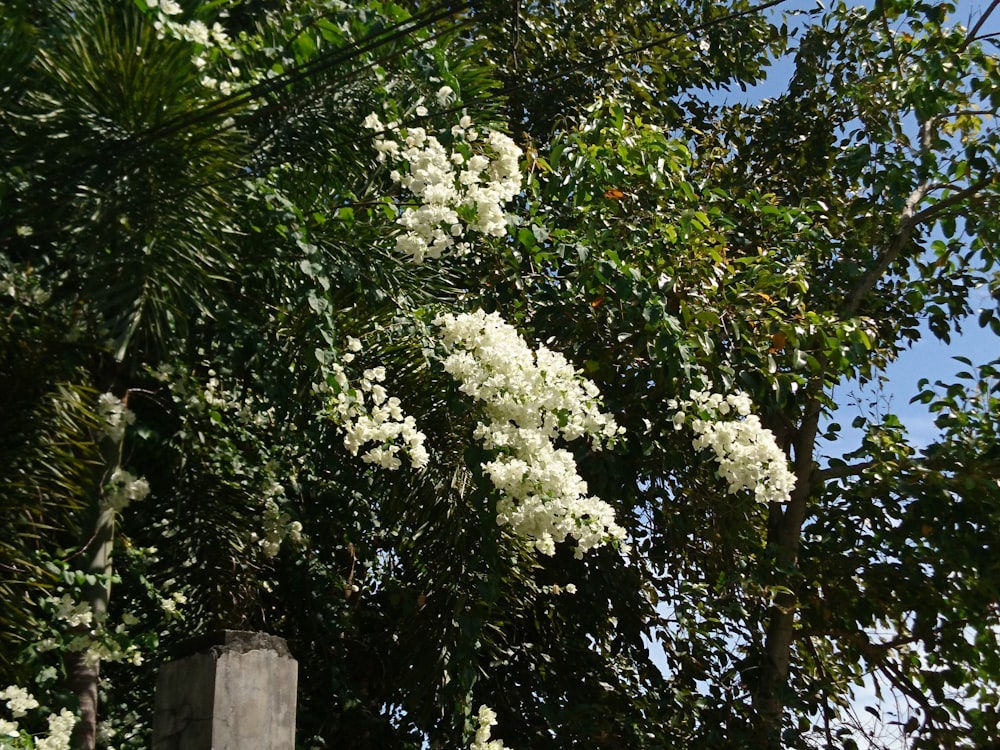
<point>199,218</point>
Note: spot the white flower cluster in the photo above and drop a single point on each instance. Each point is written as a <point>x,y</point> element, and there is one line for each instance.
<point>196,32</point>
<point>487,719</point>
<point>746,452</point>
<point>19,702</point>
<point>531,398</point>
<point>88,635</point>
<point>73,613</point>
<point>170,603</point>
<point>123,488</point>
<point>277,525</point>
<point>368,414</point>
<point>114,416</point>
<point>457,190</point>
<point>207,38</point>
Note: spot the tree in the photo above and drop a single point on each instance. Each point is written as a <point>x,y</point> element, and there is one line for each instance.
<point>238,305</point>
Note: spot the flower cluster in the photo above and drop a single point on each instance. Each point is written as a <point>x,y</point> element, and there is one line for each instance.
<point>208,39</point>
<point>487,719</point>
<point>114,416</point>
<point>19,702</point>
<point>530,399</point>
<point>457,190</point>
<point>368,414</point>
<point>123,488</point>
<point>196,32</point>
<point>86,633</point>
<point>75,614</point>
<point>277,525</point>
<point>746,452</point>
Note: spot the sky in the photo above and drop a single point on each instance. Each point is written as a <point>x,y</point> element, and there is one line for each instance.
<point>928,358</point>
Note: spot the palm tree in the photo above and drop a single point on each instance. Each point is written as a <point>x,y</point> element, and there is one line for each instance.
<point>156,220</point>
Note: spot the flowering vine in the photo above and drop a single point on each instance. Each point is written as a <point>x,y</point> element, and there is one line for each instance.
<point>122,486</point>
<point>746,452</point>
<point>530,399</point>
<point>223,416</point>
<point>368,414</point>
<point>454,190</point>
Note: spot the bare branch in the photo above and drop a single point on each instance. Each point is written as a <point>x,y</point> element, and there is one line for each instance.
<point>897,242</point>
<point>964,112</point>
<point>908,689</point>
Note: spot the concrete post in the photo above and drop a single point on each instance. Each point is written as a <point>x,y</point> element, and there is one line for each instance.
<point>228,690</point>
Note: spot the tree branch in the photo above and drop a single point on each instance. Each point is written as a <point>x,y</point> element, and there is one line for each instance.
<point>971,36</point>
<point>908,689</point>
<point>931,212</point>
<point>909,220</point>
<point>904,230</point>
<point>842,472</point>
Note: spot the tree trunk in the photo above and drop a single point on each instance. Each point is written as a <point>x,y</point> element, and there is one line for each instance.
<point>83,671</point>
<point>84,675</point>
<point>784,536</point>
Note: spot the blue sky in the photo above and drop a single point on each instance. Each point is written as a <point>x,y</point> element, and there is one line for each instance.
<point>929,358</point>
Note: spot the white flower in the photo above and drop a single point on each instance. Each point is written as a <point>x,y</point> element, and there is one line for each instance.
<point>60,731</point>
<point>486,719</point>
<point>747,453</point>
<point>19,700</point>
<point>9,728</point>
<point>530,399</point>
<point>123,488</point>
<point>73,613</point>
<point>114,416</point>
<point>445,95</point>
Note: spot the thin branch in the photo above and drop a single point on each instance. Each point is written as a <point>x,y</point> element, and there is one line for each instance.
<point>907,688</point>
<point>963,112</point>
<point>909,220</point>
<point>842,472</point>
<point>860,638</point>
<point>904,230</point>
<point>931,212</point>
<point>971,36</point>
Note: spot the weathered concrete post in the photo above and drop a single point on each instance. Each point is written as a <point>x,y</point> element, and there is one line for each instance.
<point>228,690</point>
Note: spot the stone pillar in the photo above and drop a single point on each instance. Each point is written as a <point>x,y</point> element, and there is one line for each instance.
<point>227,690</point>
